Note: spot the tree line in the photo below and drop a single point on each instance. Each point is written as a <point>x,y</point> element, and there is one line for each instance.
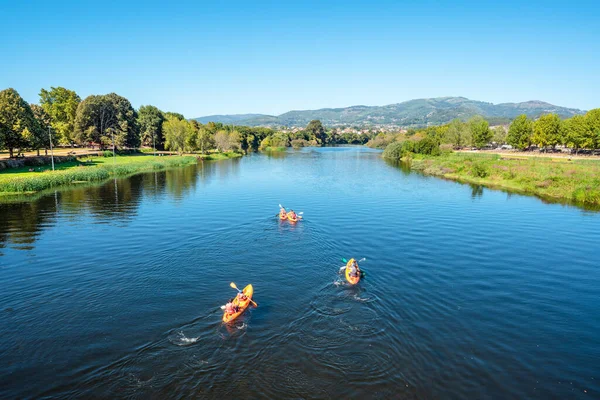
<point>110,120</point>
<point>548,131</point>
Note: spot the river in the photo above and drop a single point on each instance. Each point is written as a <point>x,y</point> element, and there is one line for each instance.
<point>114,290</point>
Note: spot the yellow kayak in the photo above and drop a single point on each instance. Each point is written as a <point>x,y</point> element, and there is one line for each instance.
<point>352,279</point>
<point>242,305</point>
<point>291,219</point>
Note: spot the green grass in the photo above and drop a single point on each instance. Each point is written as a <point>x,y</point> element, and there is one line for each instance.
<point>89,169</point>
<point>268,149</point>
<point>24,171</point>
<point>577,181</point>
<point>220,156</point>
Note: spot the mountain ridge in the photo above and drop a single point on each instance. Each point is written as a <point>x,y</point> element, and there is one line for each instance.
<point>411,113</point>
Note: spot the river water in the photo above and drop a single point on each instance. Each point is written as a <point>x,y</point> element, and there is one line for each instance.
<point>114,291</point>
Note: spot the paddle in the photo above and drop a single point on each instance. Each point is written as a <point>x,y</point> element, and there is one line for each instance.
<point>236,288</point>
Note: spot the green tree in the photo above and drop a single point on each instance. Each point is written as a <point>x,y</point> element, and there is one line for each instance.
<point>265,143</point>
<point>99,117</point>
<point>280,139</point>
<point>592,120</point>
<point>458,134</point>
<point>191,141</point>
<point>249,142</point>
<point>499,133</point>
<point>127,121</point>
<point>316,131</point>
<point>235,140</point>
<point>222,140</point>
<point>176,133</point>
<point>17,123</point>
<point>95,115</point>
<point>546,130</point>
<point>150,120</point>
<point>574,131</point>
<point>480,131</point>
<point>520,132</point>
<point>41,137</point>
<point>61,104</point>
<point>204,140</point>
<point>170,114</point>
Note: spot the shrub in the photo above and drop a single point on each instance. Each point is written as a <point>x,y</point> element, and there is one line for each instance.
<point>381,141</point>
<point>266,143</point>
<point>479,170</point>
<point>394,151</point>
<point>446,148</point>
<point>397,150</point>
<point>427,146</point>
<point>298,143</point>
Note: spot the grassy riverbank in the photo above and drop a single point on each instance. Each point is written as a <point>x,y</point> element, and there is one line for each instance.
<point>577,180</point>
<point>86,169</point>
<point>220,156</point>
<point>270,149</point>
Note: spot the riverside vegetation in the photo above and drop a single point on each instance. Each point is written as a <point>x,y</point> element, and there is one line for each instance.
<point>110,122</point>
<point>107,121</point>
<point>580,133</point>
<point>577,180</point>
<point>91,169</point>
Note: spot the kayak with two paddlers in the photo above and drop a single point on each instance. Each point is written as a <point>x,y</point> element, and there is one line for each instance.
<point>289,215</point>
<point>236,306</point>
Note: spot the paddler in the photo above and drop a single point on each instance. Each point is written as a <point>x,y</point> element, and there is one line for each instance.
<point>231,308</point>
<point>354,269</point>
<point>292,214</point>
<point>282,213</point>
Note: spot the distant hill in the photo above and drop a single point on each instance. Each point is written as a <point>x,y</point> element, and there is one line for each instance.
<point>420,112</point>
<point>230,119</point>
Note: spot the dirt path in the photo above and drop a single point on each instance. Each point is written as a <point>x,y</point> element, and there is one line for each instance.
<point>67,152</point>
<point>57,152</point>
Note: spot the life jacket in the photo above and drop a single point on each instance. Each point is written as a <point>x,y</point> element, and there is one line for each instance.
<point>230,308</point>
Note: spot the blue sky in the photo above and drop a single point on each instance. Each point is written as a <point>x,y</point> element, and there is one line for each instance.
<point>272,57</point>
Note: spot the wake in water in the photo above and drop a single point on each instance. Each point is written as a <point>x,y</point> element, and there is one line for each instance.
<point>361,299</point>
<point>180,339</point>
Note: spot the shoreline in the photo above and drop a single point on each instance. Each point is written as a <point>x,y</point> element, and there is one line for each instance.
<point>564,181</point>
<point>19,183</point>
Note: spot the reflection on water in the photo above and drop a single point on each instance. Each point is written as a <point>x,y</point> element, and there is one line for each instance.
<point>476,190</point>
<point>20,223</point>
<point>115,201</point>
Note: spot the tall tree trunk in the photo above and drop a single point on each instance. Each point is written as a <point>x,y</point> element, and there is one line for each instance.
<point>10,152</point>
<point>38,152</point>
